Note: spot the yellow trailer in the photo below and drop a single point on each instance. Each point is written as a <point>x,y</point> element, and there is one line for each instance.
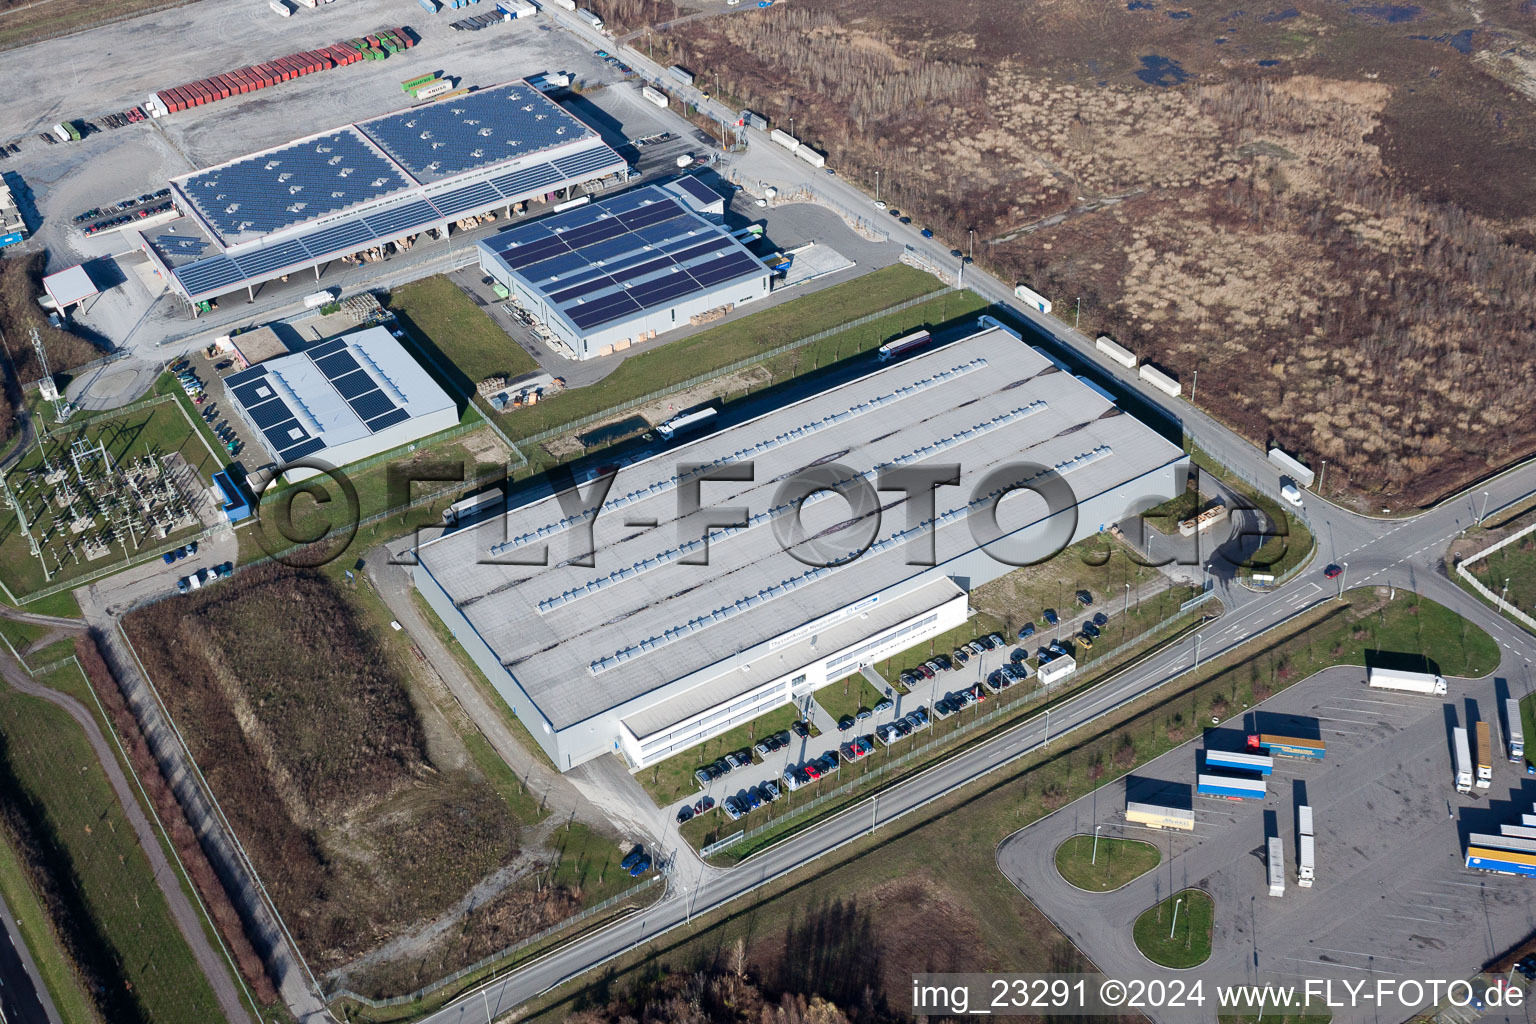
<point>1154,816</point>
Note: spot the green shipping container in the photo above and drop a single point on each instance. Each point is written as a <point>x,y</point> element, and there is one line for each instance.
<point>412,84</point>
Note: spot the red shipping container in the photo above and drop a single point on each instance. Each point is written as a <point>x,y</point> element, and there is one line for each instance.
<point>243,78</point>
<point>221,87</point>
<point>195,97</point>
<point>183,97</point>
<point>206,91</point>
<point>296,62</point>
<point>238,86</point>
<point>263,74</point>
<point>279,73</point>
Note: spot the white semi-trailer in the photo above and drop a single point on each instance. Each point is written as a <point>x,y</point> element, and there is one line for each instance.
<point>1276,867</point>
<point>1513,730</point>
<point>1306,870</point>
<point>1463,761</point>
<point>1407,682</point>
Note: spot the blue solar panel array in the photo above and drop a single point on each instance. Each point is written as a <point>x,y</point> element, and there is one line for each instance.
<point>221,273</point>
<point>292,184</point>
<point>611,259</point>
<point>489,126</point>
<point>272,416</point>
<point>290,439</point>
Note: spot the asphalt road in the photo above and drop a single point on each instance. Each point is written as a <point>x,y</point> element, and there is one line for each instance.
<point>23,997</point>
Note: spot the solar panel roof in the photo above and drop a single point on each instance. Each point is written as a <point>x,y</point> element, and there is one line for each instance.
<point>266,192</point>
<point>613,258</point>
<point>485,127</point>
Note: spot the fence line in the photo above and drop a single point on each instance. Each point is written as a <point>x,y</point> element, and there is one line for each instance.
<point>911,754</point>
<point>752,360</point>
<point>1477,584</point>
<point>502,954</point>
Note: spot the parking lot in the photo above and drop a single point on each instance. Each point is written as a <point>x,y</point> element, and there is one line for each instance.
<point>894,721</point>
<point>1392,896</point>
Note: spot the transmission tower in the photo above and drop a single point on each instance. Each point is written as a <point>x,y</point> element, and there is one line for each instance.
<point>46,386</point>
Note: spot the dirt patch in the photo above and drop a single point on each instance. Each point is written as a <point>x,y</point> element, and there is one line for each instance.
<point>664,409</point>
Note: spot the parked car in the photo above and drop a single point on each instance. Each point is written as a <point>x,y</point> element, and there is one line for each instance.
<point>168,557</point>
<point>927,672</point>
<point>1084,598</point>
<point>732,808</point>
<point>770,789</point>
<point>723,767</point>
<point>751,799</point>
<point>863,714</point>
<point>1085,642</point>
<point>827,763</point>
<point>703,775</point>
<point>812,771</point>
<point>1026,631</point>
<point>1089,629</point>
<point>1100,619</point>
<point>791,779</point>
<point>902,727</point>
<point>933,666</point>
<point>801,729</point>
<point>959,655</point>
<point>845,723</point>
<point>734,761</point>
<point>884,705</point>
<point>997,640</point>
<point>632,859</point>
<point>684,813</point>
<point>763,748</point>
<point>704,804</point>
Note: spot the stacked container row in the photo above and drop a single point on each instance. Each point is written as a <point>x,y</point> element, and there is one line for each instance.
<point>281,69</point>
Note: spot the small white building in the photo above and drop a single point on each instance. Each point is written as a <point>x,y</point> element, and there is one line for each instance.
<point>342,400</point>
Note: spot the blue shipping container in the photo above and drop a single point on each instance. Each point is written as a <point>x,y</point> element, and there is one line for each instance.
<point>1508,863</point>
<point>1235,787</point>
<point>10,239</point>
<point>430,6</point>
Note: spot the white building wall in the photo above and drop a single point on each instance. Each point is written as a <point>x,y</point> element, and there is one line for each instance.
<point>793,684</point>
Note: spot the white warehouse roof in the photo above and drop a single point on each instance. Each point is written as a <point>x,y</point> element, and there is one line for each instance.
<point>341,400</point>
<point>583,640</point>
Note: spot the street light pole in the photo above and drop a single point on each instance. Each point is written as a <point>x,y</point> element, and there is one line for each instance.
<point>970,249</point>
<point>1342,577</point>
<point>1483,515</point>
<point>877,175</point>
<point>1503,593</point>
<point>1095,858</point>
<point>1127,609</point>
<point>1077,316</point>
<point>1192,386</point>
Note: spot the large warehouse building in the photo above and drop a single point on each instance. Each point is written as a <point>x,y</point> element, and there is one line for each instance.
<point>342,400</point>
<point>295,207</point>
<point>651,650</point>
<point>622,270</point>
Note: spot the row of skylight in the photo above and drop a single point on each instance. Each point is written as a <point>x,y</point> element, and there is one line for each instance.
<point>787,586</point>
<point>798,433</point>
<point>673,554</point>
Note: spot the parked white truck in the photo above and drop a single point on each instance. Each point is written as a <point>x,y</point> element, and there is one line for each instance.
<point>1407,682</point>
<point>1463,760</point>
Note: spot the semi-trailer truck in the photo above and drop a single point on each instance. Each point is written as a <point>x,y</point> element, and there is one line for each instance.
<point>1156,816</point>
<point>1492,842</point>
<point>1463,760</point>
<point>1276,866</point>
<point>902,346</point>
<point>1407,682</point>
<point>1230,787</point>
<point>1484,756</point>
<point>476,504</point>
<point>1306,869</point>
<point>1505,862</point>
<point>688,421</point>
<point>1229,761</point>
<point>1288,746</point>
<point>1513,729</point>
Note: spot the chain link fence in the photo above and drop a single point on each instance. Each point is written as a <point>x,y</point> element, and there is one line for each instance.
<point>500,955</point>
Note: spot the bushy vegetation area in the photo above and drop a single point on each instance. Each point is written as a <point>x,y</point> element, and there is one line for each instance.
<point>1321,210</point>
<point>21,282</point>
<point>304,725</point>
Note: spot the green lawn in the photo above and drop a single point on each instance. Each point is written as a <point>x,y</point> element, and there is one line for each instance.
<point>21,634</point>
<point>62,604</point>
<point>847,696</point>
<point>118,901</point>
<point>32,921</point>
<point>961,831</point>
<point>454,330</point>
<point>674,361</point>
<point>1177,931</point>
<point>672,779</point>
<point>1109,866</point>
<point>1516,563</point>
<point>1278,554</point>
